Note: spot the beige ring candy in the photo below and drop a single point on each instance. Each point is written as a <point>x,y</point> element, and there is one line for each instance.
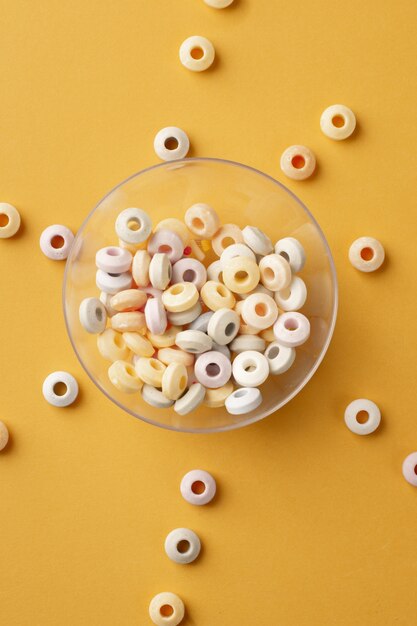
<point>182,545</point>
<point>123,376</point>
<point>171,143</point>
<point>150,371</point>
<point>175,225</point>
<point>218,4</point>
<point>160,270</point>
<point>112,346</point>
<point>293,297</point>
<point>133,225</point>
<point>4,435</point>
<point>128,300</point>
<point>217,296</point>
<point>202,220</point>
<point>175,355</point>
<point>216,398</point>
<point>166,609</point>
<point>140,268</point>
<point>257,240</point>
<point>298,162</point>
<point>366,254</point>
<point>166,340</point>
<point>138,344</point>
<point>241,343</point>
<point>174,381</point>
<point>197,53</point>
<point>245,329</point>
<point>132,321</point>
<point>180,297</point>
<point>221,239</point>
<point>9,220</point>
<point>241,274</point>
<point>275,272</point>
<point>235,250</point>
<point>338,122</point>
<point>260,311</point>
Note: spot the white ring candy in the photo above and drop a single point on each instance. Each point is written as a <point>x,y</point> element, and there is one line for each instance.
<point>293,297</point>
<point>190,400</point>
<point>142,222</point>
<point>193,341</point>
<point>49,384</point>
<point>250,368</point>
<point>351,414</point>
<point>243,400</point>
<point>93,315</point>
<point>292,251</point>
<point>280,358</point>
<point>223,326</point>
<point>338,112</point>
<point>292,329</point>
<point>202,44</point>
<point>173,546</point>
<point>174,136</point>
<point>366,254</point>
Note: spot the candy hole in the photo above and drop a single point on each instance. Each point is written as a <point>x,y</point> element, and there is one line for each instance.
<point>189,276</point>
<point>118,340</point>
<point>171,143</point>
<point>273,352</point>
<point>165,249</point>
<point>250,367</point>
<point>285,294</point>
<point>166,610</point>
<point>415,469</point>
<point>113,252</point>
<point>134,223</point>
<point>285,255</point>
<point>240,393</point>
<point>197,223</point>
<point>170,272</point>
<point>198,487</point>
<point>362,417</point>
<point>230,329</point>
<point>183,546</point>
<point>130,370</point>
<point>367,254</point>
<point>298,161</point>
<point>241,276</point>
<point>212,369</point>
<point>261,309</point>
<point>99,314</point>
<point>183,382</point>
<point>291,324</point>
<point>114,275</point>
<point>221,291</point>
<point>57,242</point>
<point>4,220</point>
<point>269,273</point>
<point>60,388</point>
<point>338,121</point>
<point>156,365</point>
<point>227,241</point>
<point>197,53</point>
<point>177,289</point>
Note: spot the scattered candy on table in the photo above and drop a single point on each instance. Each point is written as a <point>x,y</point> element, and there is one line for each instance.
<point>366,254</point>
<point>56,241</point>
<point>410,469</point>
<point>198,487</point>
<point>60,389</point>
<point>166,609</point>
<point>4,435</point>
<point>338,122</point>
<point>362,416</point>
<point>298,162</point>
<point>197,53</point>
<point>9,220</point>
<point>182,545</point>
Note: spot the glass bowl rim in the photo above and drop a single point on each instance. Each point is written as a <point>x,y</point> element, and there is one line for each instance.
<point>323,351</point>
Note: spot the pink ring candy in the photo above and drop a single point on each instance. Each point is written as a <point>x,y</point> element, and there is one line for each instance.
<point>56,233</point>
<point>152,292</point>
<point>155,316</point>
<point>410,469</point>
<point>198,487</point>
<point>213,369</point>
<point>189,271</point>
<point>113,260</point>
<point>292,329</point>
<point>168,242</point>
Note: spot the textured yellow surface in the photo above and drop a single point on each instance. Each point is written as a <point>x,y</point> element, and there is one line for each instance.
<point>313,525</point>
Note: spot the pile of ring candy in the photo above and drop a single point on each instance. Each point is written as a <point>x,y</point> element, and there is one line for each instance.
<point>183,334</point>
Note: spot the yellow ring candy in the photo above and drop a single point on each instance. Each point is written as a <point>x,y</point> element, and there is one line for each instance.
<point>275,272</point>
<point>226,232</point>
<point>176,226</point>
<point>133,247</point>
<point>112,346</point>
<point>140,268</point>
<point>167,339</point>
<point>175,355</point>
<point>197,251</point>
<point>245,329</point>
<point>128,299</point>
<point>217,296</point>
<point>216,397</point>
<point>11,223</point>
<point>129,322</point>
<point>202,220</point>
<point>123,376</point>
<point>150,371</point>
<point>174,381</point>
<point>138,344</point>
<point>241,274</point>
<point>180,297</point>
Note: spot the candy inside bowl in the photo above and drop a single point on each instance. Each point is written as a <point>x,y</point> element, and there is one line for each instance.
<point>243,197</point>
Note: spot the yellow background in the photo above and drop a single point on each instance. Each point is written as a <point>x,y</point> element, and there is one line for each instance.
<point>313,525</point>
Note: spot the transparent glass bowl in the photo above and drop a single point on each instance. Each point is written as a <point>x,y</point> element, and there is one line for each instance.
<point>241,195</point>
